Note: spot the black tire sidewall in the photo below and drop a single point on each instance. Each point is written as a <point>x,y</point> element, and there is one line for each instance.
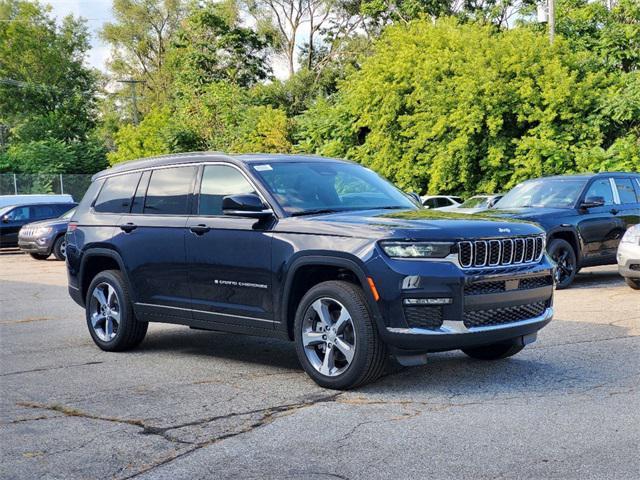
<point>57,248</point>
<point>39,256</point>
<point>362,323</point>
<point>554,246</point>
<point>126,316</point>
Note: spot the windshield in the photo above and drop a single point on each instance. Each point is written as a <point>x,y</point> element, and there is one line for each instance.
<point>317,187</point>
<point>553,193</point>
<point>68,213</point>
<point>476,202</point>
<point>5,210</point>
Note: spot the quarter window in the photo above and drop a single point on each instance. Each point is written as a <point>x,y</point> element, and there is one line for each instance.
<point>116,194</point>
<point>169,191</point>
<point>601,188</point>
<point>219,181</point>
<point>625,190</point>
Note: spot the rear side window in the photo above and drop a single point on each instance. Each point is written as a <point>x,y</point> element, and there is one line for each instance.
<point>169,191</point>
<point>625,190</point>
<point>43,211</point>
<point>219,181</point>
<point>116,194</point>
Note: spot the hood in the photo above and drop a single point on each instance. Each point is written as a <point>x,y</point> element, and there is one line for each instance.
<point>51,222</point>
<point>529,213</point>
<point>408,224</point>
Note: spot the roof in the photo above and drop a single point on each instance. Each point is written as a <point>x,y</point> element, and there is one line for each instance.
<point>196,157</point>
<point>587,176</point>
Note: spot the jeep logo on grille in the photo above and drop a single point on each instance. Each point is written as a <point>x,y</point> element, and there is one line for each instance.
<point>504,230</point>
<point>512,284</point>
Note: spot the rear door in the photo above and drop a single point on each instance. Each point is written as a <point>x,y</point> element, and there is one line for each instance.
<point>601,227</point>
<point>229,257</point>
<point>151,239</point>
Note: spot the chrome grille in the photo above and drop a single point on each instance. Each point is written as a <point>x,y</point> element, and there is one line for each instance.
<point>27,232</point>
<point>500,252</point>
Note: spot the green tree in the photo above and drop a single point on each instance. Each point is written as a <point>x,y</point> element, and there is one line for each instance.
<point>462,108</point>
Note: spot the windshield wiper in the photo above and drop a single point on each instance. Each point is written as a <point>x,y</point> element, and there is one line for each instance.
<point>316,211</point>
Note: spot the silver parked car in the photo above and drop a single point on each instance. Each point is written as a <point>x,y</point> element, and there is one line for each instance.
<point>629,257</point>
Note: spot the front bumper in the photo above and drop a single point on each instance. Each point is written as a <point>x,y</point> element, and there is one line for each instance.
<point>454,334</point>
<point>629,260</point>
<point>35,246</point>
<point>479,306</point>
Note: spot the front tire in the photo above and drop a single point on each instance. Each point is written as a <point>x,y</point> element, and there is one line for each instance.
<point>60,248</point>
<point>633,283</point>
<point>562,253</point>
<point>110,318</point>
<point>336,338</point>
<point>495,351</point>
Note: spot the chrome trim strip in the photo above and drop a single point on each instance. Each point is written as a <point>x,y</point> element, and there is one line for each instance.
<point>204,311</point>
<point>491,243</point>
<point>452,327</point>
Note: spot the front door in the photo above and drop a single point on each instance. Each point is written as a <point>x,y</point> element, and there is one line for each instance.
<point>12,222</point>
<point>229,257</point>
<point>600,227</point>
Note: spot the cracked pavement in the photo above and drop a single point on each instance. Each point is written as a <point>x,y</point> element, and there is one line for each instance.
<point>191,404</point>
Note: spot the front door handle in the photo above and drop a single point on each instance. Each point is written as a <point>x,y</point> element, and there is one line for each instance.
<point>128,227</point>
<point>614,211</point>
<point>199,229</point>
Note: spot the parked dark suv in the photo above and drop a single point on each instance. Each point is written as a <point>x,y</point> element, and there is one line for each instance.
<point>319,251</point>
<point>14,217</point>
<point>585,216</point>
<point>41,239</point>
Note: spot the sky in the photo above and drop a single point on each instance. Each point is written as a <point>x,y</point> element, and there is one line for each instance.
<point>96,12</point>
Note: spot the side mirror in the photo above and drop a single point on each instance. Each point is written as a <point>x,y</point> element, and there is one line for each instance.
<point>245,206</point>
<point>592,202</point>
<point>5,218</point>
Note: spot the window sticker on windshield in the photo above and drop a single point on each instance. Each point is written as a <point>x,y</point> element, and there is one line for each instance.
<point>263,168</point>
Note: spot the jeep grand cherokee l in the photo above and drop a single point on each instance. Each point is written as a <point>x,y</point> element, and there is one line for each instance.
<point>319,251</point>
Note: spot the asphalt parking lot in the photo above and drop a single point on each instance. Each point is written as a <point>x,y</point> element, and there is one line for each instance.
<point>192,404</point>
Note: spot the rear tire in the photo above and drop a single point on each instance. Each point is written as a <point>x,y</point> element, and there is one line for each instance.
<point>60,248</point>
<point>338,311</point>
<point>110,318</point>
<point>563,255</point>
<point>39,256</point>
<point>633,283</point>
<point>495,351</point>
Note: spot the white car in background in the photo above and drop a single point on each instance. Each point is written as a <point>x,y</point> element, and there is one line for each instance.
<point>438,202</point>
<point>629,257</point>
<point>475,204</point>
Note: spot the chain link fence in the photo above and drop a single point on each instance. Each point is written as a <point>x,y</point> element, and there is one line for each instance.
<point>41,183</point>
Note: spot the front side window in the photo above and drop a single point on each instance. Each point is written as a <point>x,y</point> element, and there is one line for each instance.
<point>626,190</point>
<point>116,194</point>
<point>169,191</point>
<point>308,187</point>
<point>18,214</point>
<point>218,181</point>
<point>600,189</point>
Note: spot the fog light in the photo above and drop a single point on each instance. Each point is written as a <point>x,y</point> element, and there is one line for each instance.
<point>427,301</point>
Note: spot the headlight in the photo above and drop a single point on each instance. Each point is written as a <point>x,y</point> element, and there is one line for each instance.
<point>417,249</point>
<point>42,231</point>
<point>632,235</point>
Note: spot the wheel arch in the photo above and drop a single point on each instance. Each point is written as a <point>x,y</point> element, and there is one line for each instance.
<point>571,236</point>
<point>97,260</point>
<point>310,270</point>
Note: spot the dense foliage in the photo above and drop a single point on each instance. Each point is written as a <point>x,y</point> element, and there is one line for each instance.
<point>437,95</point>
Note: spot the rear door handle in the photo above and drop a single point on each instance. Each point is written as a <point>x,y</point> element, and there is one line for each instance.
<point>128,227</point>
<point>199,229</point>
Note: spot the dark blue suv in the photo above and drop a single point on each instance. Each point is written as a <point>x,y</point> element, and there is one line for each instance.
<point>320,251</point>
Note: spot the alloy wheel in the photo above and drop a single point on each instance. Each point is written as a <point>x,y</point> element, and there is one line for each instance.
<point>105,311</point>
<point>328,337</point>
<point>564,265</point>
